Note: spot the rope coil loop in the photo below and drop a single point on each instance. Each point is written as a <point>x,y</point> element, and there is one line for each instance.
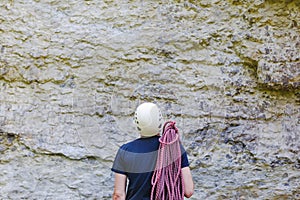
<point>167,181</point>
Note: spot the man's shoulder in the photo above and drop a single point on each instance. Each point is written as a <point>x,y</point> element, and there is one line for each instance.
<point>139,144</point>
<point>129,144</point>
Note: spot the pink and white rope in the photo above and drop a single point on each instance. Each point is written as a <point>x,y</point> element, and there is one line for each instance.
<point>167,181</point>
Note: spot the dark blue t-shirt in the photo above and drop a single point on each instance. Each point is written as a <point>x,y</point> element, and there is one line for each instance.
<point>137,160</point>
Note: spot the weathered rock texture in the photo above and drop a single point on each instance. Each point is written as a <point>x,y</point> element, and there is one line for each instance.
<point>72,73</point>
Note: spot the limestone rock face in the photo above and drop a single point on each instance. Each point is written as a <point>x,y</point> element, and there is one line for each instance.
<point>73,72</point>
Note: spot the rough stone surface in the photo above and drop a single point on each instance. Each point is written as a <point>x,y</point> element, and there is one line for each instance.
<point>72,73</point>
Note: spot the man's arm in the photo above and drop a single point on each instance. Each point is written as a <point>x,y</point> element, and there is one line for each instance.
<point>188,182</point>
<point>120,187</point>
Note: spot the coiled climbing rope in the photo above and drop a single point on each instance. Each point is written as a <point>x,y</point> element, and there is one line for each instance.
<point>167,181</point>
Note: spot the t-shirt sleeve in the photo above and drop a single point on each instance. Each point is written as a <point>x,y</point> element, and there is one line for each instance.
<point>184,158</point>
<point>119,165</point>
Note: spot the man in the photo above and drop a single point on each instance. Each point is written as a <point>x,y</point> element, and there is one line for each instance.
<point>136,160</point>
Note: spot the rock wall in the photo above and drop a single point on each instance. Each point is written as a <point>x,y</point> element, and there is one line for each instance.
<point>72,73</point>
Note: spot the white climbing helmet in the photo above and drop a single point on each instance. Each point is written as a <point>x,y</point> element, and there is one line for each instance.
<point>148,119</point>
